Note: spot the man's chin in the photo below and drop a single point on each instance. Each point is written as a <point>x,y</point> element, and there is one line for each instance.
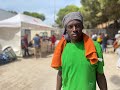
<point>74,38</point>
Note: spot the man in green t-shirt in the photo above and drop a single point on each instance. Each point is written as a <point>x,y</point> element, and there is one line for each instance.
<point>79,71</point>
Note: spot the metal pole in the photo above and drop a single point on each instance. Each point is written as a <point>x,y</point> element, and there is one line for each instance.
<point>54,9</point>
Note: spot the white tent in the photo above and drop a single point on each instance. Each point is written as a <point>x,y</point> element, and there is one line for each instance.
<point>10,30</point>
<point>23,21</point>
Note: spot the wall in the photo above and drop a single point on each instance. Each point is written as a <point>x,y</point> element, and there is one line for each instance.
<point>33,32</point>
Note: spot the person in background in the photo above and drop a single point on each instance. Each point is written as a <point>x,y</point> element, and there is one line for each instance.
<point>94,36</point>
<point>53,40</point>
<point>24,43</point>
<point>104,42</point>
<point>99,38</point>
<point>37,45</point>
<point>117,48</point>
<point>77,58</point>
<point>30,44</point>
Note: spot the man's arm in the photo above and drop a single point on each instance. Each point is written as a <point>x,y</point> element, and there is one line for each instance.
<point>40,41</point>
<point>101,81</point>
<point>59,80</point>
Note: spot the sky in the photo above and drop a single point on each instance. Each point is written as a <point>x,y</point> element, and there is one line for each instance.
<point>47,7</point>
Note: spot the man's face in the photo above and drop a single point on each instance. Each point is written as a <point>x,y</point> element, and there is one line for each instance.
<point>74,30</point>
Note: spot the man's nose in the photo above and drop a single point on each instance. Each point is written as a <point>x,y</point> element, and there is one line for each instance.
<point>74,28</point>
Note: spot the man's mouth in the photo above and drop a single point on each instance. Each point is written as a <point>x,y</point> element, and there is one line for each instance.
<point>74,35</point>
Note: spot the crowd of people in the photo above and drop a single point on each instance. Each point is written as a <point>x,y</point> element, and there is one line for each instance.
<point>35,43</point>
<point>101,38</point>
<point>104,40</point>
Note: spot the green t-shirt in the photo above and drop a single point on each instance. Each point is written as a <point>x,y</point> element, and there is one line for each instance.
<point>77,72</point>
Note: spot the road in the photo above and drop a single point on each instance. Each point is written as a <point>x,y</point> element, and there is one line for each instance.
<point>36,74</point>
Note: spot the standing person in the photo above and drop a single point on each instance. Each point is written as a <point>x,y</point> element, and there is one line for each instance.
<point>99,38</point>
<point>37,45</point>
<point>53,40</point>
<point>117,48</point>
<point>94,36</point>
<point>76,58</point>
<point>104,42</point>
<point>24,43</point>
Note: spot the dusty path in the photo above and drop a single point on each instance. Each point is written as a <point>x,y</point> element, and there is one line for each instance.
<point>112,72</point>
<point>28,74</point>
<point>32,74</point>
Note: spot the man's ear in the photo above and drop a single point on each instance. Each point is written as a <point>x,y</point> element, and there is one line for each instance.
<point>67,37</point>
<point>65,31</point>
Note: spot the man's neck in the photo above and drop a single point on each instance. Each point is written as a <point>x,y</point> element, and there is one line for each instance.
<point>78,40</point>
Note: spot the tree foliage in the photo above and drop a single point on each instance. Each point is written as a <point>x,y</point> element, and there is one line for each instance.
<point>13,12</point>
<point>35,14</point>
<point>62,12</point>
<point>100,11</point>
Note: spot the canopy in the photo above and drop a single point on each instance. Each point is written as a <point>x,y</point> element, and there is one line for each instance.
<point>25,22</point>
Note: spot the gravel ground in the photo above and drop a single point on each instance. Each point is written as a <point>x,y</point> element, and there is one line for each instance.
<point>36,74</point>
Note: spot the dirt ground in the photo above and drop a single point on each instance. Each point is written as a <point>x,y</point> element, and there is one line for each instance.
<point>36,74</point>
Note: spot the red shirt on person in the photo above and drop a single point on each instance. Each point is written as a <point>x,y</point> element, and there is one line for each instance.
<point>53,39</point>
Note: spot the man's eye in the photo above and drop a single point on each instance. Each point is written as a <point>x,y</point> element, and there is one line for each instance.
<point>78,26</point>
<point>69,27</point>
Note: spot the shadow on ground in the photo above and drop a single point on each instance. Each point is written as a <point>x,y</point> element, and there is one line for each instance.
<point>115,79</point>
<point>46,54</point>
<point>43,55</point>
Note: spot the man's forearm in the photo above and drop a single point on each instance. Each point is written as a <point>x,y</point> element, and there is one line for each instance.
<point>59,80</point>
<point>101,81</point>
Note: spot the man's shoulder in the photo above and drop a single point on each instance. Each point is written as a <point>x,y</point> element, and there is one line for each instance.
<point>98,49</point>
<point>96,44</point>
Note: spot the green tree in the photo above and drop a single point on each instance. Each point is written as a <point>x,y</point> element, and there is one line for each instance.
<point>35,14</point>
<point>62,12</point>
<point>112,9</point>
<point>100,11</point>
<point>13,12</point>
<point>92,12</point>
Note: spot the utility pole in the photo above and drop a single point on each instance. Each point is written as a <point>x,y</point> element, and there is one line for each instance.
<point>54,10</point>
